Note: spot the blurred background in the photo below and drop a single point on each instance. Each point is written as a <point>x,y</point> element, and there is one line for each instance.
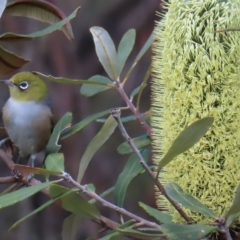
<point>55,55</point>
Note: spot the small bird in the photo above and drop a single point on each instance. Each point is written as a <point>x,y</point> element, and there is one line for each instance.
<point>27,115</point>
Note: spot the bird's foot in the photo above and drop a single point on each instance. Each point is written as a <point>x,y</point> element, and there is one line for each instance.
<point>17,175</point>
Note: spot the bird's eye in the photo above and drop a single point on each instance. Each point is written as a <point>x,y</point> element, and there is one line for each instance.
<point>23,85</point>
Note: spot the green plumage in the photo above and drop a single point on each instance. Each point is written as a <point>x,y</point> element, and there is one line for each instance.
<point>196,73</point>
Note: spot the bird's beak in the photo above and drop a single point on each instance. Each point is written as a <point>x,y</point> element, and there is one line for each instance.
<point>7,82</point>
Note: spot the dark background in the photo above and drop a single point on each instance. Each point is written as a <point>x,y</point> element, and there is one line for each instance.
<point>55,55</point>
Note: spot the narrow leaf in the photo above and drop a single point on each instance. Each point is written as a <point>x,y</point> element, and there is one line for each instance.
<point>79,126</point>
<point>10,62</point>
<point>106,51</point>
<point>125,47</point>
<point>26,170</point>
<point>145,47</point>
<point>91,90</point>
<point>234,211</point>
<point>63,123</point>
<point>140,142</point>
<point>144,84</point>
<point>132,169</point>
<point>72,81</point>
<point>114,234</point>
<point>2,6</point>
<point>41,11</point>
<point>21,194</point>
<point>135,92</point>
<point>74,203</point>
<point>48,203</point>
<point>7,37</point>
<point>186,232</point>
<point>71,226</point>
<point>103,135</point>
<point>175,192</point>
<point>186,139</point>
<point>161,217</point>
<point>139,235</point>
<point>55,162</point>
<point>123,119</point>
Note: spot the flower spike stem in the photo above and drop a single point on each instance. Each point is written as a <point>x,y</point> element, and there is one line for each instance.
<point>116,114</point>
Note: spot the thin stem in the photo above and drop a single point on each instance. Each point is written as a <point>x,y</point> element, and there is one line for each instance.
<point>135,111</point>
<point>9,179</point>
<point>101,220</point>
<point>225,231</point>
<point>116,115</point>
<point>107,204</point>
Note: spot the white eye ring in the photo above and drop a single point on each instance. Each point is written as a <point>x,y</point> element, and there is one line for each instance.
<point>24,85</point>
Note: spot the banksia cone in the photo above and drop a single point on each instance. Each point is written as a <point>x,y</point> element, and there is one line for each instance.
<point>196,73</point>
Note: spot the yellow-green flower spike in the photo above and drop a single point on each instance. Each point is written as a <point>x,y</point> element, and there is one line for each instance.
<point>196,73</point>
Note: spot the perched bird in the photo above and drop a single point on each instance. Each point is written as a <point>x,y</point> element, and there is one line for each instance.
<point>27,115</point>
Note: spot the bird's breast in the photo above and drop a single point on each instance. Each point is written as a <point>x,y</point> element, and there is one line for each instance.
<point>28,125</point>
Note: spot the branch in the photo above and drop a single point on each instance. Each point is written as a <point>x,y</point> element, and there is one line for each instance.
<point>135,111</point>
<point>9,179</point>
<point>107,204</point>
<point>6,157</point>
<point>116,115</point>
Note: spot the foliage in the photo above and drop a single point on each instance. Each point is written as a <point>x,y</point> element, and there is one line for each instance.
<point>73,198</point>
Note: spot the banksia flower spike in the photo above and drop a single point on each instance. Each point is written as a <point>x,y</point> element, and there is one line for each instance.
<point>196,73</point>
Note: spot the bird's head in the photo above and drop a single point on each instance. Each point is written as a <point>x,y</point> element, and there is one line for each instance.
<point>26,86</point>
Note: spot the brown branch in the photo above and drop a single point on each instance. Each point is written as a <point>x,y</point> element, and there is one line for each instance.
<point>9,179</point>
<point>101,220</point>
<point>116,115</point>
<point>108,204</point>
<point>135,111</point>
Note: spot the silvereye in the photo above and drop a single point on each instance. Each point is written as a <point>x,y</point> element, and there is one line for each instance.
<point>27,116</point>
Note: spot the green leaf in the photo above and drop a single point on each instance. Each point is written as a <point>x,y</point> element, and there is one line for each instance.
<point>140,142</point>
<point>144,84</point>
<point>10,62</point>
<point>102,195</point>
<point>74,202</point>
<point>72,81</point>
<point>105,132</point>
<point>63,123</point>
<point>89,90</point>
<point>26,170</point>
<point>186,232</point>
<point>55,162</point>
<point>71,226</point>
<point>21,194</point>
<point>139,235</point>
<point>79,126</point>
<point>125,47</point>
<point>175,192</point>
<point>2,6</point>
<point>132,169</point>
<point>145,47</point>
<point>186,139</point>
<point>123,119</point>
<point>7,37</point>
<point>41,11</point>
<point>135,92</point>
<point>106,51</point>
<point>234,211</point>
<point>113,234</point>
<point>48,203</point>
<point>161,217</point>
